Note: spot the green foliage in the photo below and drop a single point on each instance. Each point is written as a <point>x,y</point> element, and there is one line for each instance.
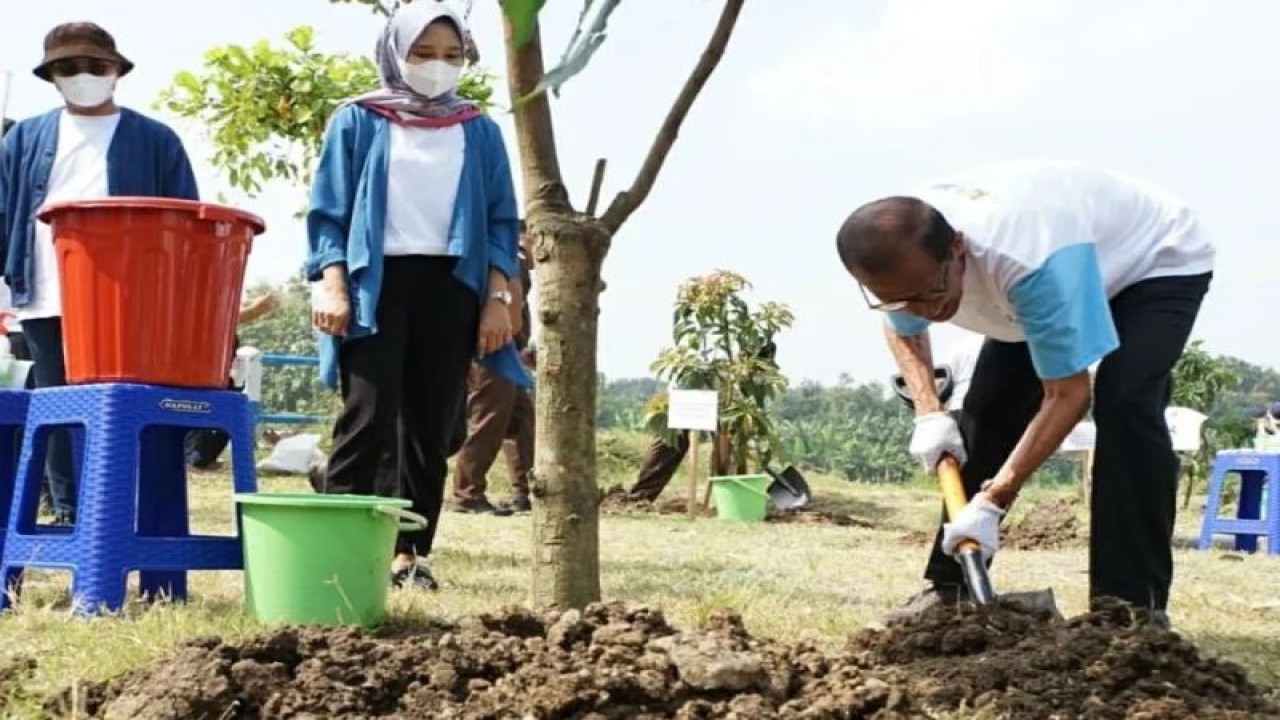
<point>523,15</point>
<point>619,402</point>
<point>1200,378</point>
<point>718,344</point>
<point>287,331</point>
<point>265,107</point>
<point>1202,381</point>
<point>859,430</point>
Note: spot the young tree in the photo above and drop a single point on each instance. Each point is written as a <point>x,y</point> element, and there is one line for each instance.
<point>569,247</point>
<point>722,344</point>
<point>265,108</point>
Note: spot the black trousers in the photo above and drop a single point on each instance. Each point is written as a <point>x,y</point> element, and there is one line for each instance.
<point>203,447</point>
<point>44,342</point>
<point>1135,471</point>
<point>402,388</point>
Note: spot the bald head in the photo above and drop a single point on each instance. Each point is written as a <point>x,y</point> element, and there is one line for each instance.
<point>878,236</point>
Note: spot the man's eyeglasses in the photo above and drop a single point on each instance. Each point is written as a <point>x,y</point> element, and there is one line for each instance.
<point>934,294</point>
<point>68,67</point>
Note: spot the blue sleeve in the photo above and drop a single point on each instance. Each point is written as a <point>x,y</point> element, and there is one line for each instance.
<point>8,166</point>
<point>333,193</point>
<point>1065,313</point>
<point>179,178</point>
<point>504,211</point>
<point>906,324</point>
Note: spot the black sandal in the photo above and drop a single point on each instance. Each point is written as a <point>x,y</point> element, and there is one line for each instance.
<point>415,576</point>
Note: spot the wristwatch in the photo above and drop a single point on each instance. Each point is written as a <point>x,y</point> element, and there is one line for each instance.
<point>502,296</point>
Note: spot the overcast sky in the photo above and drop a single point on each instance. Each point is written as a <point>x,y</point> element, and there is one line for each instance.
<point>818,106</point>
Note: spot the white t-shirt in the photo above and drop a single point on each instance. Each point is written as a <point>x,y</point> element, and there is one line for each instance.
<point>1049,244</point>
<point>79,173</point>
<point>423,172</point>
<point>960,360</point>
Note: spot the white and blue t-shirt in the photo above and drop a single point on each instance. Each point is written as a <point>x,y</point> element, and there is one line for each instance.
<point>1049,244</point>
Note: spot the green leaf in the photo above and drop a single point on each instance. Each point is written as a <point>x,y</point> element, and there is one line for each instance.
<point>523,16</point>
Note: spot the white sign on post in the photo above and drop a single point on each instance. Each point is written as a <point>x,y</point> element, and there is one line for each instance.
<point>693,410</point>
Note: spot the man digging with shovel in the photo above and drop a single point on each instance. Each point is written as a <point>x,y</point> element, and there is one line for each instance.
<point>1059,265</point>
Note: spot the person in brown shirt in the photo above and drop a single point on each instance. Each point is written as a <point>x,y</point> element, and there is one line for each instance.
<point>499,415</point>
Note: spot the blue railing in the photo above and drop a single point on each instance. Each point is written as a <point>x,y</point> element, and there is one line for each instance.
<point>277,360</point>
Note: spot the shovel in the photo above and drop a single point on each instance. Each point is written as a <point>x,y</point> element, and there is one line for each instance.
<point>789,491</point>
<point>969,553</point>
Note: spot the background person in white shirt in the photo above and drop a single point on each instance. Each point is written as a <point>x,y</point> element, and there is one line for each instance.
<point>89,148</point>
<point>1059,265</point>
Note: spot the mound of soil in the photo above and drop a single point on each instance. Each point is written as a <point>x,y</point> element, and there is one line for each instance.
<point>817,514</point>
<point>611,661</point>
<point>616,501</point>
<point>1048,525</point>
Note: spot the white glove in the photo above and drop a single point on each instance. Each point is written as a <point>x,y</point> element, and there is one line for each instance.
<point>979,522</point>
<point>935,434</point>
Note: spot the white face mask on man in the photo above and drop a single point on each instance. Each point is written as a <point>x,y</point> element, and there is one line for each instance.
<point>432,78</point>
<point>85,89</point>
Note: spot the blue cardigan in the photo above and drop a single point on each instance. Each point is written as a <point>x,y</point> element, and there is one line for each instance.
<point>348,209</point>
<point>145,159</point>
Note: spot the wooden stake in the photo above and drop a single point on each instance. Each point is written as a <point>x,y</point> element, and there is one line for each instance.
<point>693,473</point>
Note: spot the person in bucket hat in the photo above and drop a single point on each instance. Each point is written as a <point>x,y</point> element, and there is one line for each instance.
<point>73,48</point>
<point>86,149</point>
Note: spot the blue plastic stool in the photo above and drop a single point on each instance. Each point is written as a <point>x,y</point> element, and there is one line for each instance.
<point>13,418</point>
<point>132,491</point>
<point>1259,476</point>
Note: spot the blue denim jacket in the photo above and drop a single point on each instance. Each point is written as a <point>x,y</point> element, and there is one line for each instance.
<point>348,209</point>
<point>146,159</point>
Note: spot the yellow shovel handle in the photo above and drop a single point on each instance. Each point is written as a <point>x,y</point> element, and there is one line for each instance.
<point>953,495</point>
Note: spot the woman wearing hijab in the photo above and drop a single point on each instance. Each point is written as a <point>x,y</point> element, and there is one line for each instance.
<point>412,238</point>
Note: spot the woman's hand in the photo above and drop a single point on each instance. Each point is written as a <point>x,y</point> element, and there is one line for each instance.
<point>331,309</point>
<point>495,327</point>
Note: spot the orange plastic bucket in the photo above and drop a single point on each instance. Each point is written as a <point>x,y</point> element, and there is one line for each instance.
<point>150,288</point>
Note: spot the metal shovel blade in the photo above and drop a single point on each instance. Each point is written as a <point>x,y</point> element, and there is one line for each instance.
<point>789,490</point>
<point>969,555</point>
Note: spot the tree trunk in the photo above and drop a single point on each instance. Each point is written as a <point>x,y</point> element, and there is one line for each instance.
<point>569,251</point>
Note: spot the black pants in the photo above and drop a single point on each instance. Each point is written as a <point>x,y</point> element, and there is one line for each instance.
<point>44,341</point>
<point>387,483</point>
<point>203,447</point>
<point>1135,471</point>
<point>413,373</point>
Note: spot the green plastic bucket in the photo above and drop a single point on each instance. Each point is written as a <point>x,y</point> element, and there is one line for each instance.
<point>741,497</point>
<point>320,559</point>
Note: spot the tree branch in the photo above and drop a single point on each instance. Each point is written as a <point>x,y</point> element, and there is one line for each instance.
<point>535,133</point>
<point>628,200</point>
<point>597,181</point>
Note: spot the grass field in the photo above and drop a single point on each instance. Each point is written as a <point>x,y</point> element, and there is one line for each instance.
<point>792,580</point>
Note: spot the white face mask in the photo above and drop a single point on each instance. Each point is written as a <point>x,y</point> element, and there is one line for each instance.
<point>86,90</point>
<point>432,78</point>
